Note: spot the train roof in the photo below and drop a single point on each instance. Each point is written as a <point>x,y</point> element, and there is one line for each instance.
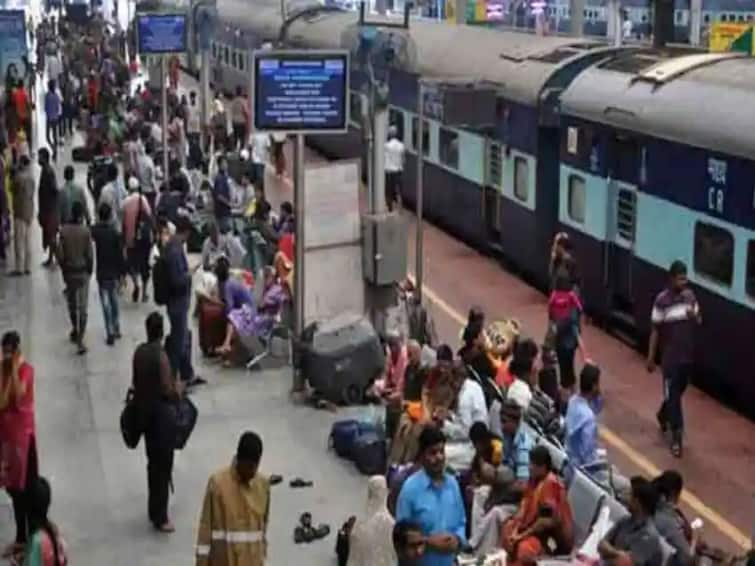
<point>703,100</point>
<point>518,64</point>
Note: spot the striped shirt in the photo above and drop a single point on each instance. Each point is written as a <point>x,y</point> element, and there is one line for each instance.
<point>675,316</point>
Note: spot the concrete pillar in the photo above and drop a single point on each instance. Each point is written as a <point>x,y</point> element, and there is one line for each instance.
<point>460,11</point>
<point>577,17</point>
<point>695,22</point>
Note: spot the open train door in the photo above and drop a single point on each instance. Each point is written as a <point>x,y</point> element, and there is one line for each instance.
<point>624,162</point>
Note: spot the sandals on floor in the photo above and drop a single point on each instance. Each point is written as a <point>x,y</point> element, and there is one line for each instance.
<point>305,532</point>
<point>298,482</point>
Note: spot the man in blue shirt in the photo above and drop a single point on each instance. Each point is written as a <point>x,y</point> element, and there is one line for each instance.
<point>517,443</point>
<point>53,110</point>
<point>581,421</point>
<point>432,499</point>
<point>221,196</point>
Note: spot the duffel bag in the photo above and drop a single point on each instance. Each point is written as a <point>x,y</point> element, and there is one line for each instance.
<point>369,454</point>
<point>344,433</point>
<point>131,429</point>
<point>184,415</point>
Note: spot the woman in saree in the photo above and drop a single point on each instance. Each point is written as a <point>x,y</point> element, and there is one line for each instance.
<point>246,321</point>
<point>18,454</point>
<point>543,524</point>
<point>439,395</point>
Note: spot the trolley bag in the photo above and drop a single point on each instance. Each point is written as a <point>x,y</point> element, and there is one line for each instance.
<point>369,454</point>
<point>131,429</point>
<point>343,435</point>
<point>342,358</point>
<point>184,416</point>
<point>212,326</point>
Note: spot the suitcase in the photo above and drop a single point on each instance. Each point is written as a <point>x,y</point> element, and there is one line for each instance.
<point>212,326</point>
<point>343,435</point>
<point>341,357</point>
<point>369,454</point>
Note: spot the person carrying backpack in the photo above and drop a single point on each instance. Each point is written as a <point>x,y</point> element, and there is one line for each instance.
<point>564,313</point>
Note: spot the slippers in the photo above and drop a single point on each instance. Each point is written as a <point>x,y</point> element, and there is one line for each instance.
<point>304,532</point>
<point>321,531</point>
<point>275,479</point>
<point>298,482</point>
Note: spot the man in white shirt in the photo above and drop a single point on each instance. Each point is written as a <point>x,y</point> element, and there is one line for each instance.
<point>470,408</point>
<point>113,193</point>
<point>394,167</point>
<point>520,391</point>
<point>260,152</point>
<point>193,119</point>
<point>626,25</point>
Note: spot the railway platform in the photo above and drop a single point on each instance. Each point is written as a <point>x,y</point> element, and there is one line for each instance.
<point>719,459</point>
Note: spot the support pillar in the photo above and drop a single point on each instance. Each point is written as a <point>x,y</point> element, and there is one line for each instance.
<point>577,17</point>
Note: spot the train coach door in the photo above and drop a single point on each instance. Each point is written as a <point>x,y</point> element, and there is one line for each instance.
<point>491,196</point>
<point>623,170</point>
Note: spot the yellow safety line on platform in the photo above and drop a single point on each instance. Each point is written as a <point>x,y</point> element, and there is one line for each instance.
<point>613,439</point>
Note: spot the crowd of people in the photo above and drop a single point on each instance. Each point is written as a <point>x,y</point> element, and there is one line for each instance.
<point>475,464</point>
<point>138,231</point>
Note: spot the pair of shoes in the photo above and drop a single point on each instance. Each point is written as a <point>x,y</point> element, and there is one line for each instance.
<point>305,532</point>
<point>15,273</point>
<point>27,271</point>
<point>298,482</point>
<point>81,349</point>
<point>196,380</point>
<point>275,479</point>
<point>110,340</point>
<point>73,336</point>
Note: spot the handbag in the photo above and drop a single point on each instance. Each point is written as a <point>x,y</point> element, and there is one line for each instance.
<point>143,233</point>
<point>184,415</point>
<point>131,431</point>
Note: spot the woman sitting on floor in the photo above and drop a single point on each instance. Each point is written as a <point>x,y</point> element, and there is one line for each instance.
<point>245,320</point>
<point>234,296</point>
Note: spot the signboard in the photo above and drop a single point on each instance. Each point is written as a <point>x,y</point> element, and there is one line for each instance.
<point>12,41</point>
<point>301,91</point>
<point>731,37</point>
<point>160,34</point>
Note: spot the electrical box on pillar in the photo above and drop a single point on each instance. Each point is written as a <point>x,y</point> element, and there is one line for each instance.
<point>384,253</point>
<point>663,22</point>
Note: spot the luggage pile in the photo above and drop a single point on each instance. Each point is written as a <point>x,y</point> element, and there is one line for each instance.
<point>341,358</point>
<point>362,443</point>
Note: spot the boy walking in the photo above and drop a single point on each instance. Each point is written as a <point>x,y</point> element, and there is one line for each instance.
<point>109,270</point>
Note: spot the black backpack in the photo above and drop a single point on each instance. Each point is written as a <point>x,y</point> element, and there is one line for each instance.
<point>161,281</point>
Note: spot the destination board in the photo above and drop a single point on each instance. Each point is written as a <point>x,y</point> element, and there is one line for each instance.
<point>301,91</point>
<point>161,33</point>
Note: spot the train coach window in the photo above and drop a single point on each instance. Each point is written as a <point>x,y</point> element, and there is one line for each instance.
<point>425,136</point>
<point>234,60</point>
<point>577,196</point>
<point>521,179</point>
<point>714,253</point>
<point>227,55</point>
<point>396,120</point>
<point>448,148</point>
<point>750,276</point>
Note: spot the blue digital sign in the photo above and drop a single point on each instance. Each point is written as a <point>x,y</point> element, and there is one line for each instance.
<point>301,91</point>
<point>12,42</point>
<point>161,33</point>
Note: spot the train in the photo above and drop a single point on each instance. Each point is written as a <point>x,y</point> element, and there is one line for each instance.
<point>641,155</point>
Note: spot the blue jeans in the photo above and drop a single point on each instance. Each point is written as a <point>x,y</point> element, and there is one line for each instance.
<point>178,343</point>
<point>109,302</point>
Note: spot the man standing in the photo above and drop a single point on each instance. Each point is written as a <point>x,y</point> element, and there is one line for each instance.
<point>675,317</point>
<point>48,205</point>
<point>432,498</point>
<point>137,237</point>
<point>193,122</point>
<point>239,119</point>
<point>394,167</point>
<point>23,212</point>
<point>76,261</point>
<point>113,194</point>
<point>109,271</point>
<point>153,384</point>
<point>221,196</point>
<point>178,279</point>
<point>72,192</point>
<point>235,512</point>
<point>53,111</point>
<point>260,153</point>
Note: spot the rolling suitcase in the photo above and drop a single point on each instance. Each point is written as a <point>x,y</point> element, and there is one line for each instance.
<point>212,326</point>
<point>369,454</point>
<point>342,357</point>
